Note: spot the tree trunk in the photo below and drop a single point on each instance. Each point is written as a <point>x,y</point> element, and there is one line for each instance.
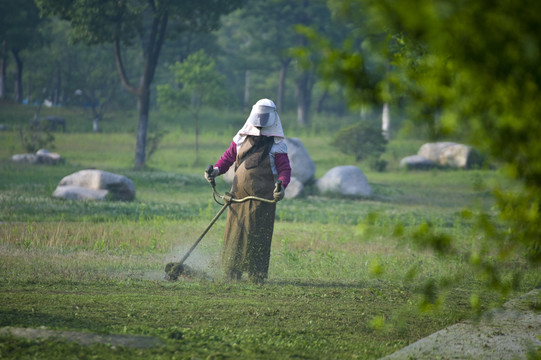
<point>143,104</point>
<point>58,86</point>
<point>151,52</point>
<point>386,121</point>
<point>196,161</point>
<point>18,77</point>
<point>282,85</point>
<point>321,101</point>
<point>303,99</point>
<point>3,71</point>
<point>247,89</point>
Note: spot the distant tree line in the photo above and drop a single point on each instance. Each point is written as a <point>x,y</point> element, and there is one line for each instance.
<point>96,53</point>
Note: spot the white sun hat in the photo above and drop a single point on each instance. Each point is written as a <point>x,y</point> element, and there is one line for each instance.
<point>263,113</point>
<point>258,123</point>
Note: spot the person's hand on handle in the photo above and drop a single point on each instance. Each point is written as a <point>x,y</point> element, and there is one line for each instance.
<point>211,173</point>
<point>279,191</point>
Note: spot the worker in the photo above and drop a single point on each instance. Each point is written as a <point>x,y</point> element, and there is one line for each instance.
<point>259,154</point>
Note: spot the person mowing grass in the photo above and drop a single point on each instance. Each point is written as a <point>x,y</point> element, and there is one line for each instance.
<point>259,154</point>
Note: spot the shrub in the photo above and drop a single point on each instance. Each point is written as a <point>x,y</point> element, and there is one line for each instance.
<point>36,136</point>
<point>364,141</point>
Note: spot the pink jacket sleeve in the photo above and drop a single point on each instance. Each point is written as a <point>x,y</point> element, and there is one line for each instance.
<point>227,159</point>
<point>281,161</point>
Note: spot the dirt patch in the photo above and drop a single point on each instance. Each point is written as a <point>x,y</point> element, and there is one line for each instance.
<point>511,332</point>
<point>131,341</point>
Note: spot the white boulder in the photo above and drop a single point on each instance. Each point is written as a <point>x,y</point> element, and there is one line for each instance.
<point>116,187</point>
<point>432,151</point>
<point>452,155</point>
<point>79,193</point>
<point>346,180</point>
<point>461,156</point>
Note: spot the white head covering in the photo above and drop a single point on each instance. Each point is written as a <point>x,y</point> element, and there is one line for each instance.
<point>263,114</point>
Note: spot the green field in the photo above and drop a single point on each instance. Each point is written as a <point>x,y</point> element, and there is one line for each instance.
<point>349,278</point>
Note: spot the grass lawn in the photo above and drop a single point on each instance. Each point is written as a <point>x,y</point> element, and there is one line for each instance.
<point>349,278</point>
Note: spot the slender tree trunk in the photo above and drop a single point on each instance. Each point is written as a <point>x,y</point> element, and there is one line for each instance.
<point>284,64</point>
<point>3,71</point>
<point>58,87</point>
<point>386,121</point>
<point>303,99</point>
<point>29,91</point>
<point>247,89</point>
<point>151,53</point>
<point>18,77</point>
<point>321,101</point>
<point>143,105</point>
<point>196,161</point>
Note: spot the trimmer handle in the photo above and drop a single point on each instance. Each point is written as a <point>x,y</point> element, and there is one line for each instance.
<point>278,186</point>
<point>209,171</point>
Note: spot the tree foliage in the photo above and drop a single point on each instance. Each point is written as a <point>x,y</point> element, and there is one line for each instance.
<point>362,140</point>
<point>469,68</point>
<point>19,23</point>
<point>126,22</point>
<point>196,83</point>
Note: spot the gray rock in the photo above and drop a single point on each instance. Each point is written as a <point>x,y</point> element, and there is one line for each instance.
<point>294,189</point>
<point>47,157</point>
<point>302,166</point>
<point>42,156</point>
<point>416,162</point>
<point>25,158</point>
<point>345,181</point>
<point>118,187</point>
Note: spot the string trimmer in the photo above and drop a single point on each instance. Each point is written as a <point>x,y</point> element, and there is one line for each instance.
<point>174,270</point>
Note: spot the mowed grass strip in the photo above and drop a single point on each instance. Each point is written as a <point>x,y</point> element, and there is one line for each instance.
<point>314,320</point>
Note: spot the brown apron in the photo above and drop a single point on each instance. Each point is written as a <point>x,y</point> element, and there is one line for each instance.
<point>249,226</point>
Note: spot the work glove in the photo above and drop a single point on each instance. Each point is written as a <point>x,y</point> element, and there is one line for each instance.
<point>210,177</point>
<point>278,193</point>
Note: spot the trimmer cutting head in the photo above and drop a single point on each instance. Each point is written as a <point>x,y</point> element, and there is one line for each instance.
<point>173,271</point>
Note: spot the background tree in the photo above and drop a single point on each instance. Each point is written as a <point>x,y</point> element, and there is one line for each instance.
<point>19,22</point>
<point>197,84</point>
<point>122,22</point>
<point>260,38</point>
<point>475,65</point>
<point>363,140</point>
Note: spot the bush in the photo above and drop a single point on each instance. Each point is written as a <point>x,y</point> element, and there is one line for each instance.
<point>364,141</point>
<point>35,136</point>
